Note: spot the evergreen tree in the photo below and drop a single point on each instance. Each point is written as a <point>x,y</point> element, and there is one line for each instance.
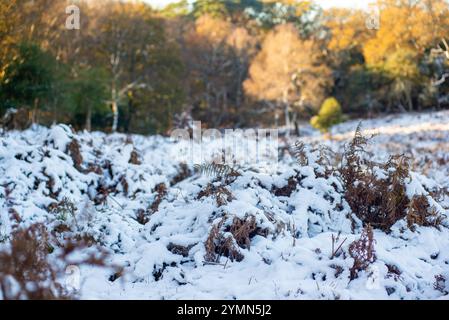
<point>89,94</point>
<point>29,80</point>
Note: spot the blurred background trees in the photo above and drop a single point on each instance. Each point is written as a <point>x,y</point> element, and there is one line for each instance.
<point>230,63</point>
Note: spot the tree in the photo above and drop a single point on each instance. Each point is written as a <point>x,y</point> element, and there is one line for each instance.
<point>355,85</point>
<point>346,29</point>
<point>389,65</point>
<point>414,25</point>
<point>8,21</point>
<point>176,9</point>
<point>29,79</point>
<point>271,13</point>
<point>152,111</point>
<point>216,56</point>
<point>89,93</point>
<point>330,114</point>
<point>212,8</point>
<point>39,21</point>
<point>402,67</point>
<point>129,36</point>
<point>288,71</point>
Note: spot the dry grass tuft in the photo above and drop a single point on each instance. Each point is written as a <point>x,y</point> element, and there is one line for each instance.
<point>179,249</point>
<point>142,216</point>
<point>440,284</point>
<point>375,191</point>
<point>243,230</point>
<point>322,155</point>
<point>300,153</point>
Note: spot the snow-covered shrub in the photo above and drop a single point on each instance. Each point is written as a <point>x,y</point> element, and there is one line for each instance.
<point>266,232</point>
<point>421,213</point>
<point>32,263</point>
<point>377,192</point>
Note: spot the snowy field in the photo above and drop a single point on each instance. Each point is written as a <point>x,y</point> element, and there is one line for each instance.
<point>264,232</point>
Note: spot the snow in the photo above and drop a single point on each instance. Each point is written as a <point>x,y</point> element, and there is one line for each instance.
<point>285,264</point>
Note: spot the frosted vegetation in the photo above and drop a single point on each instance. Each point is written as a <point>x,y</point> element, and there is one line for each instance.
<point>350,217</point>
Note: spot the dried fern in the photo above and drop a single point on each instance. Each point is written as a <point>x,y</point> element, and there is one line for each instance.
<point>362,251</point>
<point>359,139</point>
<point>377,201</point>
<point>299,152</point>
<point>216,170</point>
<point>220,193</point>
<point>421,213</point>
<point>305,154</point>
<point>355,148</point>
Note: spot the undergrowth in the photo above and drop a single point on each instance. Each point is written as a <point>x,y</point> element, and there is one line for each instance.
<point>31,264</point>
<point>362,251</point>
<point>229,235</point>
<point>375,191</point>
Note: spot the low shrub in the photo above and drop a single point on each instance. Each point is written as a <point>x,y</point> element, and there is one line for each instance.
<point>31,264</point>
<point>330,114</point>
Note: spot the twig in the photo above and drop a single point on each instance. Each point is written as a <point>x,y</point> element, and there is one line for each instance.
<point>213,263</point>
<point>334,240</point>
<point>121,207</point>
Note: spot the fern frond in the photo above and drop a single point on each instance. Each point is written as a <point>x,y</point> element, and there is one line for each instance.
<point>299,152</point>
<point>302,153</point>
<point>359,139</point>
<point>216,170</point>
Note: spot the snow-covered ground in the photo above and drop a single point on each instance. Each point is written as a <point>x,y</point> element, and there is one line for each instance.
<point>160,236</point>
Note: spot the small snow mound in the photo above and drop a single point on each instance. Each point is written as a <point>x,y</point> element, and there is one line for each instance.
<point>60,136</point>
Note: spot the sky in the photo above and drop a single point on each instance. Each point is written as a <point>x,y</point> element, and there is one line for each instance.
<point>324,3</point>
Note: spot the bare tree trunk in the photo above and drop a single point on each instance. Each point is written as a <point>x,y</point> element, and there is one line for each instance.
<point>297,132</point>
<point>287,116</point>
<point>115,114</point>
<point>34,111</point>
<point>129,116</point>
<point>30,117</point>
<point>286,107</point>
<point>409,100</point>
<point>88,125</point>
<point>295,123</point>
<point>114,108</point>
<point>55,113</point>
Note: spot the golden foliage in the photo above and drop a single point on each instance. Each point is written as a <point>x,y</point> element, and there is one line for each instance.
<point>287,68</point>
<point>406,25</point>
<point>213,29</point>
<point>347,28</point>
